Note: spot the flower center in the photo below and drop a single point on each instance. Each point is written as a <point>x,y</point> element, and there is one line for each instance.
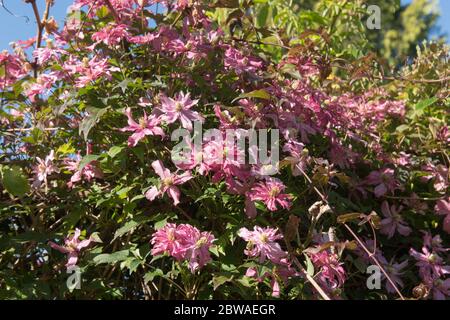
<point>143,123</point>
<point>275,191</point>
<point>264,238</point>
<point>168,181</point>
<point>201,242</point>
<point>178,106</point>
<point>432,258</point>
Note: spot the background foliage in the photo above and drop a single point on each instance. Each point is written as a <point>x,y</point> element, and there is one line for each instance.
<point>368,106</point>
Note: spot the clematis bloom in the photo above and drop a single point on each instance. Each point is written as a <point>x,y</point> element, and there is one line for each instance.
<point>262,244</point>
<point>147,126</point>
<point>72,247</point>
<point>271,193</point>
<point>169,181</point>
<point>179,108</point>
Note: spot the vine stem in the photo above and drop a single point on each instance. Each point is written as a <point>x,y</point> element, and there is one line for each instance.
<point>372,256</point>
<point>304,273</point>
<point>355,236</point>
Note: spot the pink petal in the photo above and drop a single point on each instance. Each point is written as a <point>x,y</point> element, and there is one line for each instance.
<point>152,193</point>
<point>160,169</point>
<point>174,192</point>
<point>58,247</point>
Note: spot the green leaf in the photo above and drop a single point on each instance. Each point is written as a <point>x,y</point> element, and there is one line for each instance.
<point>111,258</point>
<point>421,105</point>
<point>161,223</point>
<point>114,151</point>
<point>15,181</point>
<point>261,94</point>
<point>309,266</point>
<point>88,159</point>
<point>91,120</point>
<point>262,16</point>
<point>129,226</point>
<point>220,280</point>
<point>149,276</point>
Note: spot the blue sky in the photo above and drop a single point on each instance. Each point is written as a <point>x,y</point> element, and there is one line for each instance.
<point>17,27</point>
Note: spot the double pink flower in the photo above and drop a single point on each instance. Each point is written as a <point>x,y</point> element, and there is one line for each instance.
<point>183,242</point>
<point>44,168</point>
<point>262,244</point>
<point>271,192</point>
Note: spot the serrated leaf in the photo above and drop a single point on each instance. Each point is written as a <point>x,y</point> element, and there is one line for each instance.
<point>149,276</point>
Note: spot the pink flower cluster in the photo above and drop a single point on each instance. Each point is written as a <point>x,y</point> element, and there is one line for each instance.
<point>185,243</point>
<point>432,267</point>
<point>261,244</point>
<point>15,68</point>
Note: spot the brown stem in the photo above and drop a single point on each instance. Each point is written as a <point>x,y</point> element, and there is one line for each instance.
<point>113,11</point>
<point>304,273</point>
<point>371,255</point>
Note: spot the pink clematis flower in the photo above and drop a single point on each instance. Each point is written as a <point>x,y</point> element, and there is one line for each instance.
<point>169,181</point>
<point>111,35</point>
<point>384,180</point>
<point>44,168</point>
<point>239,63</point>
<point>197,246</point>
<point>72,247</point>
<point>166,240</point>
<point>393,221</point>
<point>147,126</point>
<point>434,243</point>
<point>331,274</point>
<point>439,287</point>
<point>261,243</point>
<point>440,176</point>
<point>395,271</point>
<point>430,263</point>
<point>271,193</point>
<point>179,108</point>
<point>183,242</point>
<point>443,208</point>
<point>88,172</point>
